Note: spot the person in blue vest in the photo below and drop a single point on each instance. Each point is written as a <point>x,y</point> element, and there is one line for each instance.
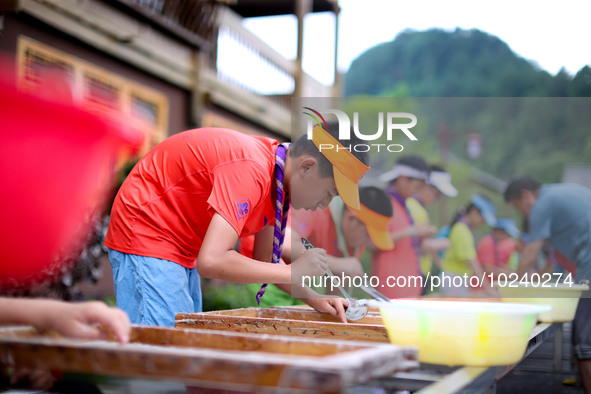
<point>561,215</point>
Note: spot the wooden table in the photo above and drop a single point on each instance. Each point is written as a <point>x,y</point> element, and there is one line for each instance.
<point>304,322</point>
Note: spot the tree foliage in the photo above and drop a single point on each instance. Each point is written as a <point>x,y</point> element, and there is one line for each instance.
<point>469,82</point>
<point>462,63</point>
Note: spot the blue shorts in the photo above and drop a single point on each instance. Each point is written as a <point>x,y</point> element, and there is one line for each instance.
<point>152,290</point>
<point>581,334</point>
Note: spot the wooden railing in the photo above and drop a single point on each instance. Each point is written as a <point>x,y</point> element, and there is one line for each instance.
<point>238,64</point>
<point>192,20</point>
<point>243,60</point>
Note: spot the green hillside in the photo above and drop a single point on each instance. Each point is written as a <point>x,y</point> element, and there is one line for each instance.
<point>469,82</point>
<point>462,63</point>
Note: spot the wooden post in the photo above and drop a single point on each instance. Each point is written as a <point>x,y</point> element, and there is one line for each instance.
<point>303,7</point>
<point>336,91</point>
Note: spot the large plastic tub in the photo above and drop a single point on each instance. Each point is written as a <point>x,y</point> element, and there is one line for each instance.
<point>461,333</point>
<point>563,298</point>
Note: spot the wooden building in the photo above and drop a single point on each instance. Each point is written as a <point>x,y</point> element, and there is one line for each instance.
<point>157,60</point>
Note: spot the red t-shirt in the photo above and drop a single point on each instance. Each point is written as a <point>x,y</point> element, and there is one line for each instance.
<point>400,263</point>
<point>495,255</point>
<point>165,205</point>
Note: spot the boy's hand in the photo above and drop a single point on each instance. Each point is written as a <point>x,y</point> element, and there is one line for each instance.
<point>334,306</point>
<point>313,262</point>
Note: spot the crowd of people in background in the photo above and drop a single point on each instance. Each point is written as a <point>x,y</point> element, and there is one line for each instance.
<point>417,247</point>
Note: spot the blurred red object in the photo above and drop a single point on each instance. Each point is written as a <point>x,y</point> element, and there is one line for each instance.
<point>56,162</point>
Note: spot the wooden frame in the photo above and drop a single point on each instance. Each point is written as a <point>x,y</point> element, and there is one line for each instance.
<point>287,321</point>
<point>211,358</point>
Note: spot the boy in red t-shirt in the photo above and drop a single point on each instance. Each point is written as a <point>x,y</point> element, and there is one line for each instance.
<point>182,208</point>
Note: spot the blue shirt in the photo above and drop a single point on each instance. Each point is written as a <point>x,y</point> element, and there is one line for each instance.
<point>562,215</point>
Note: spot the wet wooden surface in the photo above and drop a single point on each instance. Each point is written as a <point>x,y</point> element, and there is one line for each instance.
<point>211,358</point>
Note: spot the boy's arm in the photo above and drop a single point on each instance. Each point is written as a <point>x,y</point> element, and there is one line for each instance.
<point>263,244</point>
<point>218,259</point>
<point>529,256</point>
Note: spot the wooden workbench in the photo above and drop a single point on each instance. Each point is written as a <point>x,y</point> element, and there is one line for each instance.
<point>304,322</point>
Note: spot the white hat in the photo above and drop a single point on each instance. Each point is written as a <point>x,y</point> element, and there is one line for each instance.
<point>403,170</point>
<point>442,181</point>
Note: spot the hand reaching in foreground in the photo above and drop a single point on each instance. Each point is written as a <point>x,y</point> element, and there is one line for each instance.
<point>83,320</point>
<point>78,320</point>
<point>74,320</point>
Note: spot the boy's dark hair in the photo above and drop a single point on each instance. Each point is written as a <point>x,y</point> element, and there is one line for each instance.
<point>305,146</point>
<point>519,184</point>
<point>465,210</point>
<point>414,161</point>
<point>376,199</point>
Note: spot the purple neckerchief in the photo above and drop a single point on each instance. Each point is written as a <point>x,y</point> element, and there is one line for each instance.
<point>416,243</point>
<point>281,208</point>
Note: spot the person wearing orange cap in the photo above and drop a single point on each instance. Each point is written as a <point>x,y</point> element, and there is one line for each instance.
<point>402,263</point>
<point>344,234</point>
<point>183,207</point>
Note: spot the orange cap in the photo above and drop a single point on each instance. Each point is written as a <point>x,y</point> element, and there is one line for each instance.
<point>346,167</point>
<point>377,227</point>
